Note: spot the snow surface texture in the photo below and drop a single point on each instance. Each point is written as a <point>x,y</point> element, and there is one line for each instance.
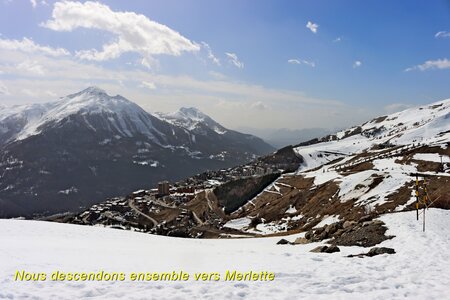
<point>419,269</point>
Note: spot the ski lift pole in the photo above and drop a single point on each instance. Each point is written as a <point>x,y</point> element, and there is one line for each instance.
<point>424,219</point>
<point>425,200</point>
<point>417,197</point>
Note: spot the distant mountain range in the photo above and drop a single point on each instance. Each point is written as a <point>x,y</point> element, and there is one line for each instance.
<point>87,146</point>
<point>281,137</point>
<point>330,187</point>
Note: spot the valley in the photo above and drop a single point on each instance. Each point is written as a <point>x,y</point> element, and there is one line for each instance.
<point>357,174</point>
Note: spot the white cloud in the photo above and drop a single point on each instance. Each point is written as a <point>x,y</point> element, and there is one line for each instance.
<point>3,89</point>
<point>259,105</point>
<point>431,64</point>
<point>442,34</point>
<point>357,64</point>
<point>148,85</point>
<point>337,40</point>
<point>33,3</point>
<point>32,67</point>
<point>29,46</point>
<point>211,55</point>
<point>296,61</point>
<point>149,63</point>
<point>134,32</point>
<point>239,100</point>
<point>217,75</point>
<point>232,57</point>
<point>312,26</point>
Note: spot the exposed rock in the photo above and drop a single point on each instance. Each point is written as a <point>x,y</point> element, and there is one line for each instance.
<point>319,230</point>
<point>377,222</point>
<point>283,242</point>
<point>322,236</point>
<point>365,218</point>
<point>365,234</point>
<point>301,241</point>
<point>178,233</point>
<point>374,251</point>
<point>339,232</point>
<point>332,228</point>
<point>326,249</point>
<point>380,250</point>
<point>308,235</point>
<point>332,249</point>
<point>348,224</point>
<point>319,249</point>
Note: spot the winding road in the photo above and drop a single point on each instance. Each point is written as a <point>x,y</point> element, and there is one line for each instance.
<point>131,204</point>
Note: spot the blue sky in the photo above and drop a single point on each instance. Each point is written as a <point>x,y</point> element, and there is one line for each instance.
<point>246,63</point>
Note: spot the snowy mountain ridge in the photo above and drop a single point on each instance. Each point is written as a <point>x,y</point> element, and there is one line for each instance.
<point>366,169</point>
<point>124,116</point>
<point>428,124</point>
<point>90,145</point>
<point>192,119</point>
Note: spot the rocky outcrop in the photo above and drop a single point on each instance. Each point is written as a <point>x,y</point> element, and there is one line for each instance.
<point>326,249</point>
<point>374,251</point>
<point>366,233</point>
<point>283,242</point>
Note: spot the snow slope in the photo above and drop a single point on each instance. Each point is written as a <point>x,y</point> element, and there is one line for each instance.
<point>419,269</point>
<point>428,124</point>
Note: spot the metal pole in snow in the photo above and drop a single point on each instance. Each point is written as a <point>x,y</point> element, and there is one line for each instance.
<point>417,197</point>
<point>424,219</point>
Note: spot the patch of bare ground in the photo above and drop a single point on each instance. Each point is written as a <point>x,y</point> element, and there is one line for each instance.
<point>379,119</point>
<point>439,191</point>
<point>357,168</point>
<point>312,202</point>
<point>205,205</point>
<point>427,149</point>
<point>423,165</point>
<point>396,199</point>
<point>165,214</point>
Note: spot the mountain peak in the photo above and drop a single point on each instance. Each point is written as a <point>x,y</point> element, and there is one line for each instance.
<point>192,113</point>
<point>93,90</point>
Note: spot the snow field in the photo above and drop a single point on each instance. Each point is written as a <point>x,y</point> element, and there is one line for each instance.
<point>419,269</point>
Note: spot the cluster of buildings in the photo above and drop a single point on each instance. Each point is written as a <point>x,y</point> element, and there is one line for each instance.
<point>133,212</point>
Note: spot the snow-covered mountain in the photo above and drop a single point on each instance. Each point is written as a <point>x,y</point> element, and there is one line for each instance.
<point>13,120</point>
<point>428,125</point>
<point>365,169</point>
<point>96,110</point>
<point>204,128</point>
<point>118,115</point>
<point>90,145</point>
<point>192,119</point>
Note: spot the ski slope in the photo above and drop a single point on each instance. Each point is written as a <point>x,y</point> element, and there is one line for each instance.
<point>419,269</point>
